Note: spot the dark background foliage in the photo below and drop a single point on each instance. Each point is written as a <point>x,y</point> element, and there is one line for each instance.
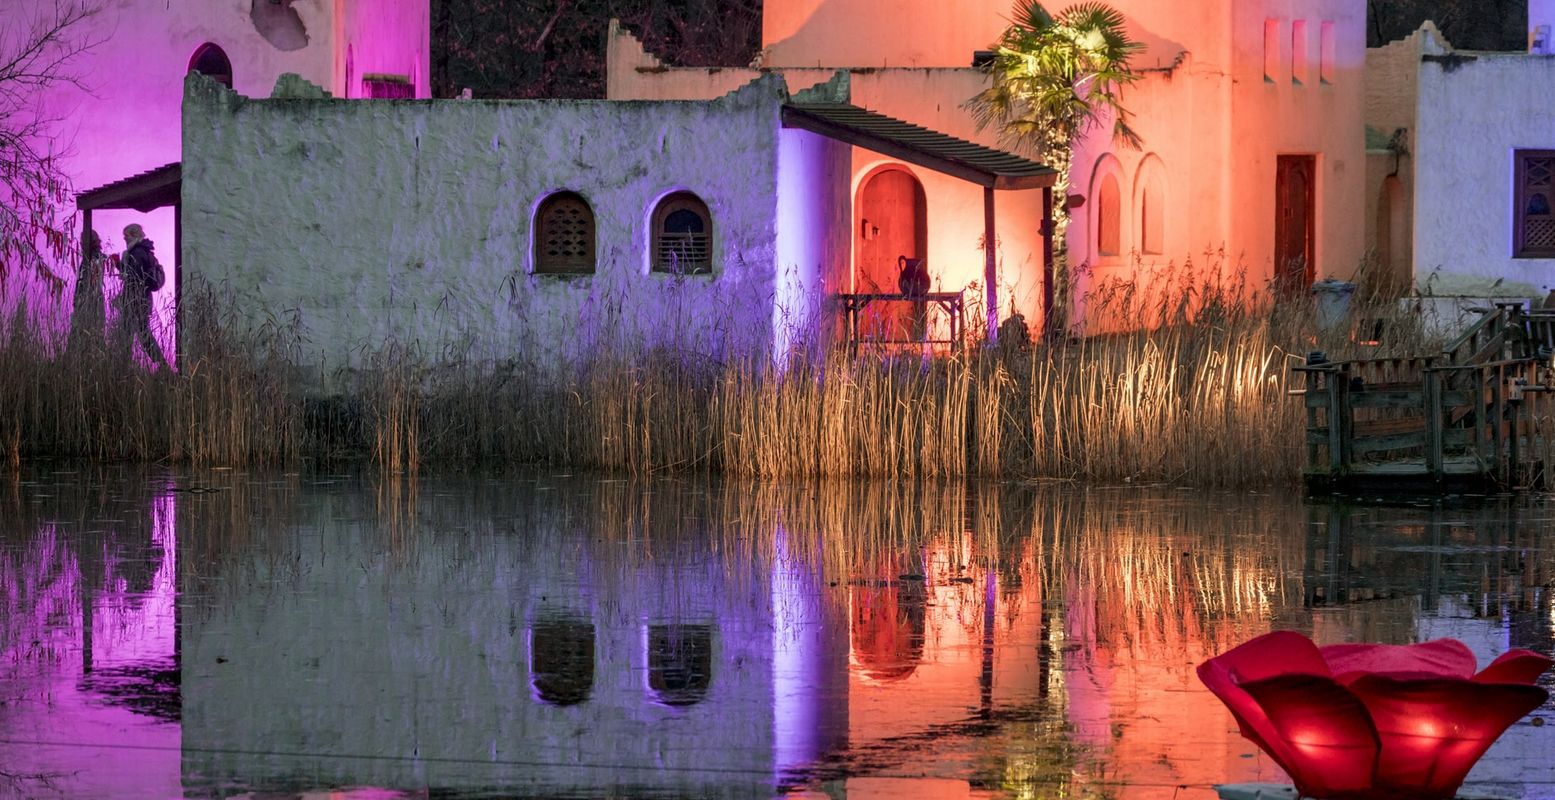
<point>556,48</point>
<point>1468,24</point>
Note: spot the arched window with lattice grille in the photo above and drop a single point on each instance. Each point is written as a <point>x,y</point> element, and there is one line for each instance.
<point>564,235</point>
<point>682,235</point>
<point>1533,234</point>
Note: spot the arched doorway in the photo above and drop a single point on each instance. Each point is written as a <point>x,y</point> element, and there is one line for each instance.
<point>1393,235</point>
<point>1295,224</point>
<point>891,222</point>
<point>211,61</point>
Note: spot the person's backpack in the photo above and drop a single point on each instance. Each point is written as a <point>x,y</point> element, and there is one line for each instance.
<point>149,268</point>
<point>155,277</point>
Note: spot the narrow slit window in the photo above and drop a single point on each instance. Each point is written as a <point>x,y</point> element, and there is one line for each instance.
<point>564,235</point>
<point>1271,50</point>
<point>1152,232</point>
<point>682,236</point>
<point>1327,52</point>
<point>1298,52</point>
<point>1108,234</point>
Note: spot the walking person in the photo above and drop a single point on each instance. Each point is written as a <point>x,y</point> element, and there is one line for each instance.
<point>141,274</point>
<point>87,316</point>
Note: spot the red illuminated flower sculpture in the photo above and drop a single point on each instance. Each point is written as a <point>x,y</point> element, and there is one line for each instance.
<point>1373,722</point>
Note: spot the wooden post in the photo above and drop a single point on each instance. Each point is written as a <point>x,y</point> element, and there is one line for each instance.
<point>1338,399</point>
<point>1498,419</point>
<point>1048,229</point>
<point>1306,400</point>
<point>1431,382</point>
<point>1477,391</point>
<point>1514,446</point>
<point>990,265</point>
<point>178,287</point>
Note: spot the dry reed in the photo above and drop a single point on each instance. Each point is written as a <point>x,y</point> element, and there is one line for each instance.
<point>1199,397</point>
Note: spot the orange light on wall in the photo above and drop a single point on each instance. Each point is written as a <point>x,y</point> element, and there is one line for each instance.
<point>1373,722</point>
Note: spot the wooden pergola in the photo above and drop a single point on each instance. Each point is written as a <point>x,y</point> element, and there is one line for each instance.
<point>148,191</point>
<point>987,167</point>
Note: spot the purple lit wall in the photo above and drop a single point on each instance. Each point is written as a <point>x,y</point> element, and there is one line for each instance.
<point>124,117</point>
<point>809,663</point>
<point>814,217</point>
<point>391,37</point>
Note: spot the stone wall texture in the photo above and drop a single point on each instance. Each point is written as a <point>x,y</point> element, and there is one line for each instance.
<point>371,222</point>
<point>1476,110</point>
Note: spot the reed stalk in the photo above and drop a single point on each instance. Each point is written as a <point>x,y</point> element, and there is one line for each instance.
<point>1198,397</point>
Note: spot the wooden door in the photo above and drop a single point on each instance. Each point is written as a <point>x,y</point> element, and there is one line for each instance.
<point>1294,223</point>
<point>891,224</point>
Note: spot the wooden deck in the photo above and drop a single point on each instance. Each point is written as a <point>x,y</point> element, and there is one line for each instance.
<point>1479,416</point>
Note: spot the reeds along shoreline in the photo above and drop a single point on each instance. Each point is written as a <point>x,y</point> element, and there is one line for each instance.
<point>1198,399</point>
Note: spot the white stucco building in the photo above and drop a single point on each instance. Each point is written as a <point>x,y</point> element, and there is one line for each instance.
<point>1462,168</point>
<point>1250,113</point>
<point>545,231</point>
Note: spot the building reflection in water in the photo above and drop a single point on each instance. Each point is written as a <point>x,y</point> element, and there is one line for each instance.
<point>556,637</point>
<point>561,659</point>
<point>89,644</point>
<point>680,663</point>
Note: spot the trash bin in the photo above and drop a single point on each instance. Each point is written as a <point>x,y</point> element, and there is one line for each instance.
<point>1333,301</point>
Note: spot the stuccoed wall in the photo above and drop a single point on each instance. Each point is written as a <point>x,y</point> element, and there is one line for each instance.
<point>1392,73</point>
<point>1475,110</point>
<point>410,221</point>
<point>929,97</point>
<point>813,255</point>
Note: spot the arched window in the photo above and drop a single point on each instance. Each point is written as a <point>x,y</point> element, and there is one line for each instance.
<point>682,235</point>
<point>561,660</point>
<point>212,62</point>
<point>680,663</point>
<point>564,235</point>
<point>1151,194</point>
<point>1109,237</point>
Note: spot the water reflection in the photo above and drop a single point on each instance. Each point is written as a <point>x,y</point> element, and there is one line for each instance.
<point>89,636</point>
<point>557,637</point>
<point>561,660</point>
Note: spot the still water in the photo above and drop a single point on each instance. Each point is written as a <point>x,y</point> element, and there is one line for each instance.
<point>226,634</point>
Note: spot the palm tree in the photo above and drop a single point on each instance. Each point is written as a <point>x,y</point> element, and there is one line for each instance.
<point>1057,77</point>
<point>1054,79</point>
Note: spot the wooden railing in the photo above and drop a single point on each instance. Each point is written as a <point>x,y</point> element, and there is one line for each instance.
<point>1495,419</point>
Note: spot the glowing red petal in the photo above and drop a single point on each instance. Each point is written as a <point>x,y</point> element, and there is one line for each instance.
<point>1268,656</point>
<point>1515,666</point>
<point>1331,746</point>
<point>1433,731</point>
<point>1448,658</point>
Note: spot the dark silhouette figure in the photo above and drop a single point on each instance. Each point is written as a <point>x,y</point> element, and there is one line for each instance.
<point>142,274</point>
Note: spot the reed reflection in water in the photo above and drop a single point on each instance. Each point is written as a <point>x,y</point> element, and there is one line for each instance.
<point>549,636</point>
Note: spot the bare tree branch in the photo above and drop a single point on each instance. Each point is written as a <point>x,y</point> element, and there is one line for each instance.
<point>38,51</point>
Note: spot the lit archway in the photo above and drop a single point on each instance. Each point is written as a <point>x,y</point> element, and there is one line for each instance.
<point>1150,206</point>
<point>211,61</point>
<point>891,223</point>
